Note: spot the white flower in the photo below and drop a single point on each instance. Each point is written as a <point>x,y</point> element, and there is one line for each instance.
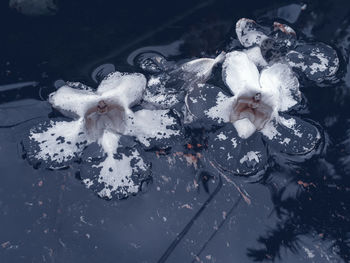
<point>103,116</point>
<point>259,102</point>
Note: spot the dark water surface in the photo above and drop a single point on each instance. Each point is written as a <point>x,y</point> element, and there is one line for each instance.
<point>293,213</point>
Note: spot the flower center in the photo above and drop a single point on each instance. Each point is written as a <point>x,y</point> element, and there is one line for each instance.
<point>105,116</point>
<point>102,107</point>
<point>252,108</point>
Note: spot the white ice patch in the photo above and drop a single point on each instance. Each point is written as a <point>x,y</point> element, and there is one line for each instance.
<point>234,142</point>
<point>154,81</point>
<point>222,110</point>
<point>250,156</point>
<point>221,136</point>
<point>291,124</point>
<point>316,67</point>
<point>162,98</point>
<point>116,174</point>
<point>270,130</point>
<point>149,124</point>
<point>60,142</point>
<point>309,252</point>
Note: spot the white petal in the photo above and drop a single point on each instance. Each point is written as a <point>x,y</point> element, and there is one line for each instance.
<point>222,110</point>
<point>281,85</point>
<point>122,88</point>
<point>57,143</point>
<point>244,127</point>
<point>249,33</point>
<point>200,69</point>
<point>240,73</point>
<point>149,125</point>
<point>116,174</point>
<point>254,54</point>
<point>73,102</point>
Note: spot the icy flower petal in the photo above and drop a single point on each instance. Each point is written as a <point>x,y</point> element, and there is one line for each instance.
<point>280,82</point>
<point>240,73</point>
<point>206,102</point>
<point>152,126</point>
<point>162,92</point>
<point>249,33</point>
<point>318,61</point>
<point>120,173</point>
<point>152,62</point>
<point>199,70</point>
<point>292,135</point>
<point>73,102</point>
<point>122,88</point>
<point>255,55</point>
<point>56,143</point>
<point>233,154</point>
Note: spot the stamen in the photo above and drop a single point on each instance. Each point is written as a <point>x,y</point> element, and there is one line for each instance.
<point>102,107</point>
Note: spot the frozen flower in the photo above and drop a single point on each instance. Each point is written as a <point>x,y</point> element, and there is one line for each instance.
<point>168,88</point>
<point>103,117</point>
<point>317,61</point>
<point>254,116</point>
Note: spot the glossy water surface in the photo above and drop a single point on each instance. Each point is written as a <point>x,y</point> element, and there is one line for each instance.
<point>293,212</point>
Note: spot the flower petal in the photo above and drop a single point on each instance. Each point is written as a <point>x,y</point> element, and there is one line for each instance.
<point>240,73</point>
<point>122,88</point>
<point>318,62</point>
<point>255,55</point>
<point>163,92</point>
<point>152,62</point>
<point>199,70</point>
<point>280,41</point>
<point>152,126</point>
<point>207,103</point>
<point>120,173</point>
<point>235,155</point>
<point>292,135</point>
<point>249,33</point>
<point>73,102</point>
<point>56,143</point>
<point>280,82</point>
